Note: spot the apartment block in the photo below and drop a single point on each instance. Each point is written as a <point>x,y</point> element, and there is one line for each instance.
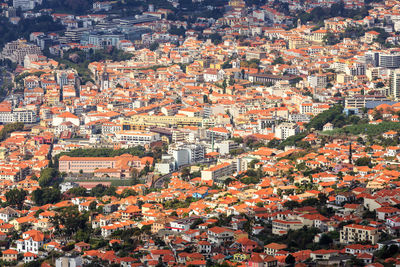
<point>355,233</point>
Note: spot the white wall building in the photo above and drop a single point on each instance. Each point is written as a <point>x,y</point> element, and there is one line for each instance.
<point>286,129</point>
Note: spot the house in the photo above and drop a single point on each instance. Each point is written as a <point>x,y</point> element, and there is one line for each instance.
<point>389,134</point>
<point>281,227</point>
<point>328,127</point>
<point>344,197</point>
<point>81,246</point>
<point>246,245</point>
<point>272,248</point>
<point>323,254</point>
<point>28,257</point>
<point>31,241</point>
<point>255,261</point>
<point>204,247</point>
<point>127,261</point>
<point>7,213</point>
<point>386,212</point>
<point>355,249</point>
<point>10,255</point>
<point>219,235</point>
<point>182,225</point>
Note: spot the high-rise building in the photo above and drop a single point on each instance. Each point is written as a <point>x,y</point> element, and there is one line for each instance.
<point>389,61</point>
<point>394,87</point>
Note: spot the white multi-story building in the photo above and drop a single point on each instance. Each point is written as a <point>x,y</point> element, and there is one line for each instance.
<point>137,137</point>
<point>286,129</point>
<point>31,241</point>
<point>187,154</point>
<point>26,4</point>
<point>394,88</point>
<point>219,235</point>
<point>9,115</point>
<point>69,262</point>
<point>318,81</point>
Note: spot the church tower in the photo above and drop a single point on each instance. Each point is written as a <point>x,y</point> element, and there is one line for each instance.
<point>105,79</point>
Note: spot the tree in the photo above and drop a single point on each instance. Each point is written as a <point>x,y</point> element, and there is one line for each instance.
<point>216,38</point>
<point>290,260</point>
<point>16,197</point>
<point>330,39</point>
<point>333,115</point>
<point>71,219</point>
<point>185,172</point>
<point>9,128</point>
<point>92,205</point>
<point>48,195</point>
<point>154,46</point>
<point>46,176</point>
<point>101,190</point>
<point>325,240</point>
<point>291,204</point>
<point>135,176</point>
<point>278,60</point>
<point>364,161</point>
<point>78,191</point>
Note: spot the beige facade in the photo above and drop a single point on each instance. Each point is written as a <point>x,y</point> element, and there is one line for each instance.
<point>355,233</point>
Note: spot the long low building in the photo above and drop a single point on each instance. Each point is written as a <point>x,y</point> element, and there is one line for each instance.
<point>108,166</point>
<point>137,137</point>
<point>265,78</point>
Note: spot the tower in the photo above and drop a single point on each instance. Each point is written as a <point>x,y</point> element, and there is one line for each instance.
<point>299,23</point>
<point>105,79</point>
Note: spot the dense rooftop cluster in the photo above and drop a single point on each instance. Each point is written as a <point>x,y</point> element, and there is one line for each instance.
<point>199,133</point>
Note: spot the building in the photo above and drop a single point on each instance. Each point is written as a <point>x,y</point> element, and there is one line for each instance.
<point>137,137</point>
<point>226,146</point>
<point>31,241</point>
<point>122,164</point>
<point>69,262</point>
<point>389,61</point>
<point>10,255</point>
<point>318,80</point>
<point>286,129</point>
<point>219,235</point>
<point>394,86</point>
<point>26,4</point>
<point>218,171</point>
<point>272,248</point>
<point>187,154</point>
<point>17,50</point>
<point>67,186</point>
<point>7,214</point>
<point>182,225</point>
<point>264,78</point>
<point>355,233</point>
<point>107,230</point>
<point>361,101</point>
<point>10,115</point>
<point>281,227</point>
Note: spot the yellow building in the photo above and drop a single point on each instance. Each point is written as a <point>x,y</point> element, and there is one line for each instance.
<point>237,3</point>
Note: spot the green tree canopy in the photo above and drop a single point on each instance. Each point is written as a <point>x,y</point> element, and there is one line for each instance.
<point>48,195</point>
<point>16,197</point>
